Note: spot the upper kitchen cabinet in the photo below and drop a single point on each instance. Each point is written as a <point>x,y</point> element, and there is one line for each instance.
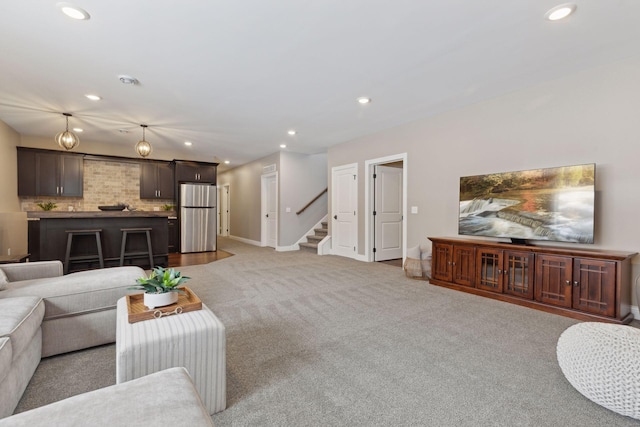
<point>187,171</point>
<point>49,173</point>
<point>156,180</point>
<point>26,172</point>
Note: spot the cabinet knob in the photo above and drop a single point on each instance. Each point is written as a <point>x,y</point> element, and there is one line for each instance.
<point>576,283</point>
<point>568,282</point>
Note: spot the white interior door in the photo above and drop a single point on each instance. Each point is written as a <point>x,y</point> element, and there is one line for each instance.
<point>388,213</point>
<point>219,211</point>
<point>270,209</point>
<point>344,202</point>
<point>224,210</point>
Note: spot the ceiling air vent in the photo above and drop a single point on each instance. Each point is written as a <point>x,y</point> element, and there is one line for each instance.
<point>269,169</point>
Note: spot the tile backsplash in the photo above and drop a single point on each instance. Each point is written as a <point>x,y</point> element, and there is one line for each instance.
<point>105,183</point>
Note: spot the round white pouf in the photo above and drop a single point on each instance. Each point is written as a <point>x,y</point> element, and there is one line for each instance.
<point>602,361</point>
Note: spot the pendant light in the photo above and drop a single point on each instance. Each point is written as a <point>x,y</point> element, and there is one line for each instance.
<point>67,139</point>
<point>143,147</point>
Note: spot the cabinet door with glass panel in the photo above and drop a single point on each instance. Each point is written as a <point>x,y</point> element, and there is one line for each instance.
<point>509,272</point>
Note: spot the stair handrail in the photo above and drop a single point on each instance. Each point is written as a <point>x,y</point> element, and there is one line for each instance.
<point>313,200</point>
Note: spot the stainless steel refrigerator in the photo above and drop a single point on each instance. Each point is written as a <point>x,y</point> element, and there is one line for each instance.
<point>197,218</point>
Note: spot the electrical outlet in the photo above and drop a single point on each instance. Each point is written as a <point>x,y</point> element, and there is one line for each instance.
<point>9,251</point>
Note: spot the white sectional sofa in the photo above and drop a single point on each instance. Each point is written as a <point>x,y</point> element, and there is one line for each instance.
<point>43,313</point>
<point>131,404</point>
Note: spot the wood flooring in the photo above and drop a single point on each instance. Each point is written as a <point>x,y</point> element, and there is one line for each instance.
<point>180,260</point>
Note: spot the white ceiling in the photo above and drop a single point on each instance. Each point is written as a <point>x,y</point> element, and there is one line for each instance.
<point>233,76</point>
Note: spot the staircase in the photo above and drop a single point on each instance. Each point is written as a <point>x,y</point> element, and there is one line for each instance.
<point>311,244</point>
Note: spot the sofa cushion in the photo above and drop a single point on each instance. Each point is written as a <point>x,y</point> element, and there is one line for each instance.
<point>133,403</point>
<point>77,293</point>
<point>3,280</point>
<point>31,270</point>
<point>20,319</point>
<point>5,357</point>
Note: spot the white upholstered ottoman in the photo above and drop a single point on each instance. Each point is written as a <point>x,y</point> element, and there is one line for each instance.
<point>194,340</point>
<point>602,361</point>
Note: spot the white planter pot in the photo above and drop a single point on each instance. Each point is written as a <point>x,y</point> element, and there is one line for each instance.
<point>152,301</point>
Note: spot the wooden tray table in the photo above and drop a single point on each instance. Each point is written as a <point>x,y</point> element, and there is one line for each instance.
<point>137,311</point>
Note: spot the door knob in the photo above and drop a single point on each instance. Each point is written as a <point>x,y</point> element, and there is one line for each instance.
<point>335,217</point>
<point>267,215</point>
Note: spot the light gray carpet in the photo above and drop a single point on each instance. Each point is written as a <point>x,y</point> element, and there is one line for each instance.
<point>317,341</point>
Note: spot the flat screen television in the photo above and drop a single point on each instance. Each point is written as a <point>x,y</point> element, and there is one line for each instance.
<point>555,204</point>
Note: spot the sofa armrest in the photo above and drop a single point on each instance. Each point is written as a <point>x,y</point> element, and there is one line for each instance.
<point>32,270</point>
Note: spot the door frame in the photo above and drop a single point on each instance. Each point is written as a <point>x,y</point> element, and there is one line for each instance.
<point>263,207</point>
<point>334,170</point>
<point>369,224</point>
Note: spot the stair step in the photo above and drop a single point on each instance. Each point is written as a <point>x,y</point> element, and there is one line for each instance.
<point>314,239</point>
<point>320,231</point>
<point>309,245</point>
<point>325,224</point>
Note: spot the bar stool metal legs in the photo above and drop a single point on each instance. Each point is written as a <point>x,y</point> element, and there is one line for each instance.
<point>124,254</point>
<point>68,259</point>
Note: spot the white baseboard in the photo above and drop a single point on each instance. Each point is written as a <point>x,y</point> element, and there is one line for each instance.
<point>288,248</point>
<point>248,241</point>
<point>636,312</point>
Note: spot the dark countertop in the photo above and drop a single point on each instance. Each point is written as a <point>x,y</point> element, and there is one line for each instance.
<point>99,214</point>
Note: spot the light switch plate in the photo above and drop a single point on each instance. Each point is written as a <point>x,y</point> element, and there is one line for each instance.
<point>414,209</point>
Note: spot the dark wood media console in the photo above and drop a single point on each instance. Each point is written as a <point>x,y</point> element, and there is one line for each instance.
<point>584,284</point>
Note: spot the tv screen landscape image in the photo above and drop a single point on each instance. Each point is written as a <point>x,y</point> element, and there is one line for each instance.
<point>555,204</point>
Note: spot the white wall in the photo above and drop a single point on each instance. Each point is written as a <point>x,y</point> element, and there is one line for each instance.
<point>13,223</point>
<point>302,178</point>
<point>586,117</point>
<point>245,210</point>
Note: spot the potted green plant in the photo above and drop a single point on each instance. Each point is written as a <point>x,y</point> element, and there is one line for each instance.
<point>47,206</point>
<point>161,287</point>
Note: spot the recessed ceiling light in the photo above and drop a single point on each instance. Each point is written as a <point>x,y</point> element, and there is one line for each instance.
<point>93,97</point>
<point>364,100</point>
<point>127,80</point>
<point>561,11</point>
<point>291,132</point>
<point>188,143</point>
<point>77,129</point>
<point>283,145</point>
<point>226,162</point>
<point>72,11</point>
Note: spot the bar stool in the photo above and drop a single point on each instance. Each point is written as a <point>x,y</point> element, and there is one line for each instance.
<point>124,254</point>
<point>68,259</point>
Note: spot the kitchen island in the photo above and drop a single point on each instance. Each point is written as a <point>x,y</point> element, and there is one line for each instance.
<point>48,236</point>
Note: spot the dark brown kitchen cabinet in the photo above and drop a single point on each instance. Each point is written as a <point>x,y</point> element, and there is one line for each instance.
<point>59,174</point>
<point>174,236</point>
<point>26,172</point>
<point>586,284</point>
<point>49,173</point>
<point>187,171</point>
<point>156,180</point>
